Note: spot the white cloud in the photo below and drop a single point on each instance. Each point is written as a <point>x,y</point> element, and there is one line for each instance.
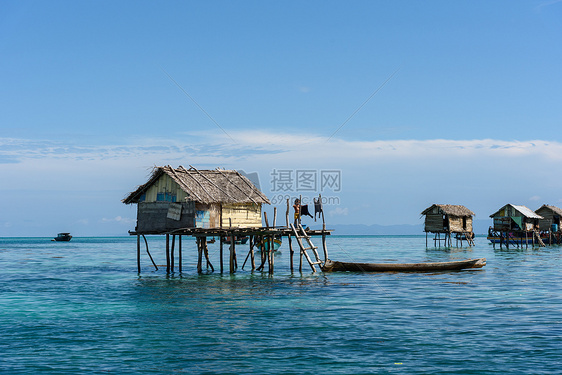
<point>535,198</point>
<point>398,177</point>
<point>119,219</point>
<point>339,211</point>
<point>209,148</point>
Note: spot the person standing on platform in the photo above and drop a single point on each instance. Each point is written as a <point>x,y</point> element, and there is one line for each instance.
<point>297,208</point>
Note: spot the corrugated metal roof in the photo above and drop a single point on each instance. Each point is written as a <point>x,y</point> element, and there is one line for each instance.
<point>525,211</point>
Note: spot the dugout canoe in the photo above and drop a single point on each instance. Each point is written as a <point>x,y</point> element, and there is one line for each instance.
<point>331,266</point>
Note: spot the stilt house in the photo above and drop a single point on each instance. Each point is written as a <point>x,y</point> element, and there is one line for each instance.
<point>448,218</point>
<point>551,220</point>
<point>512,218</point>
<point>192,198</point>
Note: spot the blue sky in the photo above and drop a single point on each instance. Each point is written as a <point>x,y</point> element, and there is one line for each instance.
<point>466,106</point>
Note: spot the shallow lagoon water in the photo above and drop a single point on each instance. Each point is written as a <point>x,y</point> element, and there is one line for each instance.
<point>81,307</point>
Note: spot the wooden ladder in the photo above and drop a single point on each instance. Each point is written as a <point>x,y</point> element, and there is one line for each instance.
<point>469,238</point>
<point>299,234</point>
<point>538,237</point>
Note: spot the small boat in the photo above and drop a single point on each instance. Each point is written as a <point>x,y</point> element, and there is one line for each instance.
<point>238,240</point>
<point>404,267</point>
<point>62,237</point>
<point>277,242</point>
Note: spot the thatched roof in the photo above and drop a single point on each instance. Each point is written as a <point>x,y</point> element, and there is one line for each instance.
<point>205,186</point>
<point>523,210</point>
<point>450,209</point>
<point>556,210</point>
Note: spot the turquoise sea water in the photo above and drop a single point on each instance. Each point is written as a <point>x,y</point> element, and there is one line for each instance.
<point>81,307</point>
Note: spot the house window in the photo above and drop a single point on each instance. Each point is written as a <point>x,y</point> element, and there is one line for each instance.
<point>165,197</point>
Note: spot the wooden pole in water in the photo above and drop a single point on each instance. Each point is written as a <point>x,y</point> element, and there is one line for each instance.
<point>270,253</point>
<point>272,241</point>
<point>221,239</point>
<point>300,259</point>
<point>232,253</point>
<point>148,252</point>
<point>206,251</point>
<point>291,251</point>
<point>287,214</point>
<point>138,254</point>
<point>179,254</point>
<point>232,268</point>
<point>199,255</point>
<point>325,247</point>
<point>300,204</point>
<point>252,259</point>
<point>266,239</point>
<point>167,253</point>
<point>172,253</point>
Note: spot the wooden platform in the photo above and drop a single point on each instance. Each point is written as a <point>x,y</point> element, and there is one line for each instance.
<point>257,236</point>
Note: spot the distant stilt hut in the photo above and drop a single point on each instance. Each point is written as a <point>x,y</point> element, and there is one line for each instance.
<point>515,225</point>
<point>448,219</point>
<point>551,222</point>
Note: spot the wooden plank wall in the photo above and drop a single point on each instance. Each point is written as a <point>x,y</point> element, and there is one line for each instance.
<point>242,215</point>
<point>165,184</point>
<point>434,223</point>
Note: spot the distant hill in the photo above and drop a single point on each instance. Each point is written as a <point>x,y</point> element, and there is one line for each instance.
<point>375,229</point>
<point>480,227</point>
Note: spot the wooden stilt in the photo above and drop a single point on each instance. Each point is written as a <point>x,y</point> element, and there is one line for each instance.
<point>262,253</point>
<point>324,247</point>
<point>148,252</point>
<point>291,252</point>
<point>179,254</point>
<point>199,255</point>
<point>251,252</point>
<point>232,252</point>
<point>206,252</point>
<point>172,253</point>
<point>267,249</point>
<point>252,239</point>
<point>300,261</point>
<point>138,254</point>
<point>287,214</point>
<point>270,254</point>
<point>167,253</point>
<point>221,240</point>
